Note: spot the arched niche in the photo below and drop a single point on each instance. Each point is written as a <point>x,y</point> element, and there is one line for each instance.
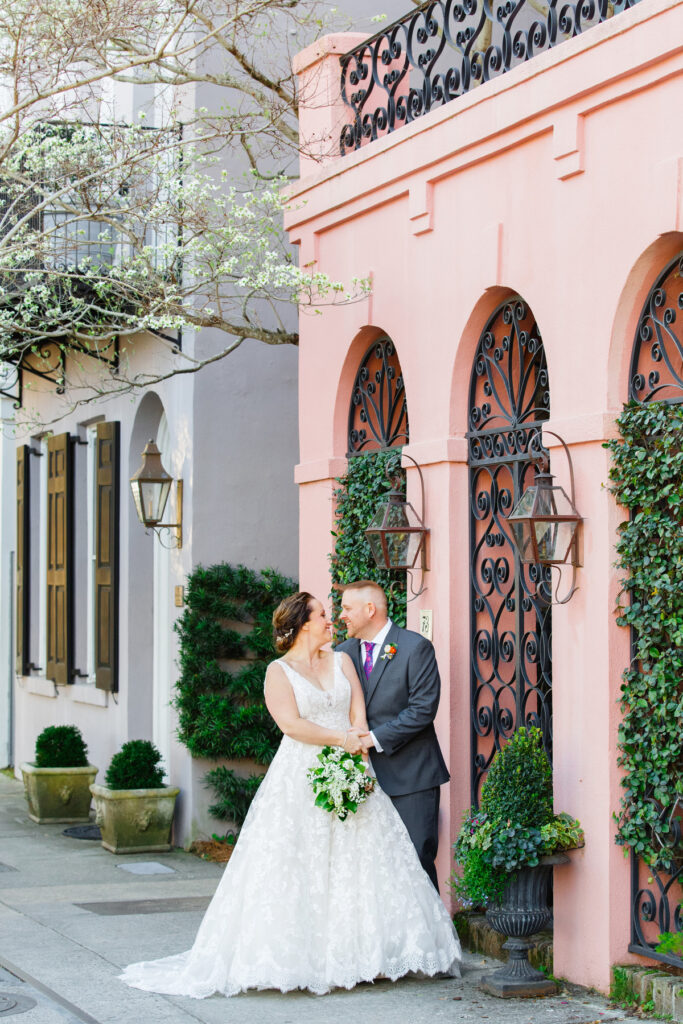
<point>141,576</point>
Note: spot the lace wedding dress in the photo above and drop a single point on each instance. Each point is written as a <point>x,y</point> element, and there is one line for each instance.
<point>308,901</point>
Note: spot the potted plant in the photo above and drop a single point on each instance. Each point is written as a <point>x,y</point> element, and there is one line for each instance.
<point>134,808</point>
<point>57,784</point>
<point>507,849</point>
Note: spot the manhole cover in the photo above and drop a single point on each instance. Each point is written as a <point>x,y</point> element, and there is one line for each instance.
<point>83,832</point>
<point>12,1004</point>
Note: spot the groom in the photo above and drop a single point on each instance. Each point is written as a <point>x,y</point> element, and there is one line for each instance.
<point>400,679</point>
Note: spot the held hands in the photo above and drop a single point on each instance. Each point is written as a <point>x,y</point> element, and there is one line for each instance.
<point>352,742</point>
<point>366,741</point>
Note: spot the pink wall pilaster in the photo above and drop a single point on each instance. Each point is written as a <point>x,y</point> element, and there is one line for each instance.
<point>316,515</point>
<point>322,111</point>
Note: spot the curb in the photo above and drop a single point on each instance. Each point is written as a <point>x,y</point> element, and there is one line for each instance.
<point>648,985</point>
<point>477,935</point>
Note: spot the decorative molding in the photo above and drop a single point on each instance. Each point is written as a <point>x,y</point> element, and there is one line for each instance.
<point>321,469</point>
<point>439,449</point>
<point>569,144</point>
<point>421,207</point>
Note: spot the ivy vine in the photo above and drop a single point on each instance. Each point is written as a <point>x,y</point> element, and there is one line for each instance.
<point>221,712</point>
<point>357,497</point>
<point>647,478</point>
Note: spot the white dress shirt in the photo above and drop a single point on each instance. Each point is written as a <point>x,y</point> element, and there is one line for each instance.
<point>378,641</point>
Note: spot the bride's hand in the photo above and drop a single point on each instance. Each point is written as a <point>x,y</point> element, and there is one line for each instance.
<point>352,742</point>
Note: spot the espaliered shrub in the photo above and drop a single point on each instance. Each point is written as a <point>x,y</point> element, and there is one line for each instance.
<point>220,707</point>
<point>61,746</point>
<point>647,479</point>
<point>233,794</point>
<point>357,497</point>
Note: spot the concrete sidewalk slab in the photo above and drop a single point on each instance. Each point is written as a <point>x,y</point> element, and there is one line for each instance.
<point>70,920</point>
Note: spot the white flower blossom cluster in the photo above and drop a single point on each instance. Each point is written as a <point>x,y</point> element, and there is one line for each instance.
<point>340,782</point>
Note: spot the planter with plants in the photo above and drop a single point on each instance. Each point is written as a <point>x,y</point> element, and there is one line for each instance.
<point>507,849</point>
<point>57,784</point>
<point>134,808</point>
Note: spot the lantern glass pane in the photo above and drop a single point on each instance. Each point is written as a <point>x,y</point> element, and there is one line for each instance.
<point>523,539</point>
<point>153,495</point>
<point>375,542</point>
<point>554,540</point>
<point>525,505</point>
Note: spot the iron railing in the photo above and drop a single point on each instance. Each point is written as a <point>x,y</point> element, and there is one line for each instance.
<point>447,47</point>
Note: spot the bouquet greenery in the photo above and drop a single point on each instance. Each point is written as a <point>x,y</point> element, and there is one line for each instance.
<point>340,782</point>
<point>514,825</point>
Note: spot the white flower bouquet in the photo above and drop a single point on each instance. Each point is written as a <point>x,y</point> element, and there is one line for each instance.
<point>341,781</point>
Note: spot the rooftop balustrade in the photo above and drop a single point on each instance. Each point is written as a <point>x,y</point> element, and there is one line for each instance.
<point>444,49</point>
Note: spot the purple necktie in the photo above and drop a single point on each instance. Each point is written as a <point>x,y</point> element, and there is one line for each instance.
<point>367,664</point>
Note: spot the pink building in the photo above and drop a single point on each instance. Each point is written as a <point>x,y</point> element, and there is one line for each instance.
<point>514,235</point>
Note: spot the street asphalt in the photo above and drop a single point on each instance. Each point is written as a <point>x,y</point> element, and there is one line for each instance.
<point>72,915</point>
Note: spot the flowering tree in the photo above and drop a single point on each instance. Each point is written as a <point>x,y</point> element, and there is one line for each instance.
<point>161,219</point>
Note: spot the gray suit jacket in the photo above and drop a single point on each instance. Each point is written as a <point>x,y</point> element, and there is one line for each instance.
<point>402,698</point>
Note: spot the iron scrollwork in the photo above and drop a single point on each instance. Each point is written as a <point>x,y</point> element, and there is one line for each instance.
<point>656,374</point>
<point>446,48</point>
<point>657,359</point>
<point>510,601</point>
<point>378,416</point>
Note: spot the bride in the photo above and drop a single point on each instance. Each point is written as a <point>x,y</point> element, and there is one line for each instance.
<point>308,901</point>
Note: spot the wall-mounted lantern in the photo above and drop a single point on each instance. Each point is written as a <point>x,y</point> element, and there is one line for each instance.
<point>151,485</point>
<point>397,534</point>
<point>545,522</point>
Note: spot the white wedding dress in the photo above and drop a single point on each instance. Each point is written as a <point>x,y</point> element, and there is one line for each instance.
<point>308,901</point>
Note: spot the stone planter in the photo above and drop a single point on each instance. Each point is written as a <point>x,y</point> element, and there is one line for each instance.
<point>58,794</point>
<point>135,820</point>
<point>522,912</point>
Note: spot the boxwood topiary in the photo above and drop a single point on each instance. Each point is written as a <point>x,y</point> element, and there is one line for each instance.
<point>61,746</point>
<point>135,766</point>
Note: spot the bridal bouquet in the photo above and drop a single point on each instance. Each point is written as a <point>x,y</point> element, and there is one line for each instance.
<point>341,781</point>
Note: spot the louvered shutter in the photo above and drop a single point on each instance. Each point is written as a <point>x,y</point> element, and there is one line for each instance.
<point>23,566</point>
<point>107,556</point>
<point>59,559</point>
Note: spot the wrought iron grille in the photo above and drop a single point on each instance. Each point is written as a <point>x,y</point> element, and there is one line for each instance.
<point>378,415</point>
<point>446,48</point>
<point>657,359</point>
<point>510,610</point>
<point>656,374</point>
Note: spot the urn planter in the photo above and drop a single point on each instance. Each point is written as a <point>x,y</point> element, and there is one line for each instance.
<point>58,794</point>
<point>521,913</point>
<point>135,820</point>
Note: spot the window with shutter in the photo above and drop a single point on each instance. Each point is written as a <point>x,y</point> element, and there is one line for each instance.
<point>23,567</point>
<point>59,559</point>
<point>107,556</point>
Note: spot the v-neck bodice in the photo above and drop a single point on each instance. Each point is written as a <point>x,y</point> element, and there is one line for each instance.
<point>328,708</point>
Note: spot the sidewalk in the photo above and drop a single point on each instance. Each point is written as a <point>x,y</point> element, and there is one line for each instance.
<point>71,915</point>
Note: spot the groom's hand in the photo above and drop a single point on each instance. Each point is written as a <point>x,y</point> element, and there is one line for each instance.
<point>366,741</point>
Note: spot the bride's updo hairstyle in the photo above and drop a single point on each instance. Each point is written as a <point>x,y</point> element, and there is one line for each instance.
<point>288,618</point>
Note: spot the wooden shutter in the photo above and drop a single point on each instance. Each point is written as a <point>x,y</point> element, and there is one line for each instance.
<point>59,559</point>
<point>107,556</point>
<point>23,566</point>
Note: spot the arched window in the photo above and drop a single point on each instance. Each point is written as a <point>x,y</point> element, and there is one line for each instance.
<point>510,673</point>
<point>377,430</point>
<point>656,375</point>
<point>378,414</point>
<point>656,372</point>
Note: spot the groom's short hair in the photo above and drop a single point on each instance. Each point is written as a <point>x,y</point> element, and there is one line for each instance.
<point>379,597</point>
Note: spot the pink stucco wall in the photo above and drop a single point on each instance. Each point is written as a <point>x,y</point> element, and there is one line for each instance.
<point>560,181</point>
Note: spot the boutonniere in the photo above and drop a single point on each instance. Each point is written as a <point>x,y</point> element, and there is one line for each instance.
<point>389,652</point>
